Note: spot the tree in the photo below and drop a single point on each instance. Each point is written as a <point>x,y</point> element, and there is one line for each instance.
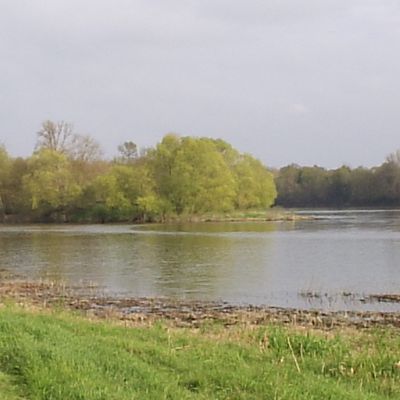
<point>50,183</point>
<point>15,198</point>
<point>388,183</point>
<point>128,152</point>
<point>230,155</point>
<point>339,191</point>
<point>132,181</point>
<point>288,185</point>
<point>84,149</point>
<point>60,137</point>
<point>200,174</point>
<point>161,161</point>
<point>203,180</point>
<point>66,178</point>
<point>313,183</point>
<point>56,136</point>
<point>5,164</point>
<point>394,157</point>
<point>363,187</point>
<point>151,208</point>
<point>110,203</point>
<point>191,174</point>
<point>255,184</point>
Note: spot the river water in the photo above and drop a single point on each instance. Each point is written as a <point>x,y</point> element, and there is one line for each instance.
<point>332,262</point>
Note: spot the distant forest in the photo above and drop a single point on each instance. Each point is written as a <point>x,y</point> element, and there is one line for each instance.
<point>66,179</point>
<point>343,187</point>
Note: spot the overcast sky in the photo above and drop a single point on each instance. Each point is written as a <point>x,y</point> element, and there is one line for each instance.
<point>303,81</point>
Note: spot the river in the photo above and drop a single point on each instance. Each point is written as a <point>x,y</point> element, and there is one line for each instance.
<point>335,261</point>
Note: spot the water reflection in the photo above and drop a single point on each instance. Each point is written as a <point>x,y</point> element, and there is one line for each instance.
<point>259,263</point>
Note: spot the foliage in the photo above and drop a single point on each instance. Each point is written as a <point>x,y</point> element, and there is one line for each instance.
<point>15,198</point>
<point>50,183</point>
<point>5,164</point>
<point>197,175</point>
<point>202,180</point>
<point>110,202</point>
<point>343,187</point>
<point>66,179</point>
<point>256,188</point>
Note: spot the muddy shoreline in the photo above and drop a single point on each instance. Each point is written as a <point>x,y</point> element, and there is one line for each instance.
<point>85,299</point>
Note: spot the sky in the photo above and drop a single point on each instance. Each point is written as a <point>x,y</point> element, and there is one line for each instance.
<point>289,81</point>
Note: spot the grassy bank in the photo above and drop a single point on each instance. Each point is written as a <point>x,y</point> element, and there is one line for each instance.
<point>276,214</point>
<point>57,355</point>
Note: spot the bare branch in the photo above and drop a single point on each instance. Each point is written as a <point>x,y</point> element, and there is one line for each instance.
<point>55,136</point>
<point>60,137</point>
<point>394,157</point>
<point>85,148</point>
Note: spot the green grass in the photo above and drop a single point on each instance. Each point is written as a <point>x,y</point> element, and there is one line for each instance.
<point>270,214</point>
<point>61,356</point>
<point>8,390</point>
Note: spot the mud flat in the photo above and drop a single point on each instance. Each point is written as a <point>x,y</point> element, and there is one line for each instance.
<point>86,299</point>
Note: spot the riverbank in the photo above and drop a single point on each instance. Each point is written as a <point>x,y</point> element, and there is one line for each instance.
<point>63,342</point>
<point>159,349</point>
<point>271,215</point>
<point>88,300</point>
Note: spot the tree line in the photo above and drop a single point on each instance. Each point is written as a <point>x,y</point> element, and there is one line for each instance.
<point>342,187</point>
<point>67,179</point>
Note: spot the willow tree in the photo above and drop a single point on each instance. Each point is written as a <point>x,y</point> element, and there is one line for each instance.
<point>255,184</point>
<point>162,162</point>
<point>191,175</point>
<point>50,183</point>
<point>203,180</point>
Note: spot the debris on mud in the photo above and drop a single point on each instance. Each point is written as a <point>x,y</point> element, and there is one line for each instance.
<point>86,299</point>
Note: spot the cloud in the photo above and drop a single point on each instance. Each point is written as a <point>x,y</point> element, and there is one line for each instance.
<point>298,108</point>
<point>245,71</point>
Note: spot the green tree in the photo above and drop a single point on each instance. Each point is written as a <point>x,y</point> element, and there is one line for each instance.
<point>162,163</point>
<point>388,183</point>
<point>255,184</point>
<point>192,175</point>
<point>314,184</point>
<point>16,198</point>
<point>363,187</point>
<point>115,195</point>
<point>5,164</point>
<point>288,185</point>
<point>109,201</point>
<point>50,183</point>
<point>339,191</point>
